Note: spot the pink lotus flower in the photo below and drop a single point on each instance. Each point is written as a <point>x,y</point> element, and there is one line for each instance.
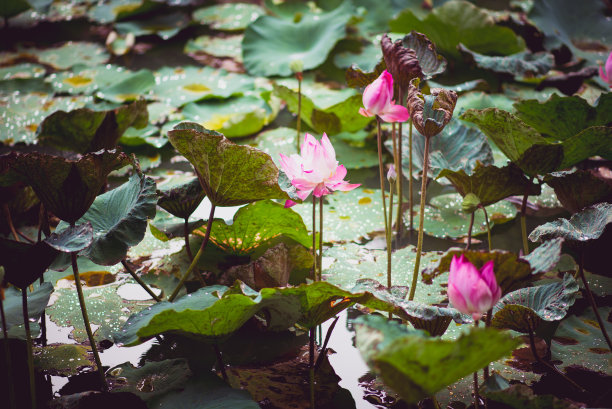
<point>471,291</point>
<point>377,100</point>
<point>315,170</point>
<point>607,75</point>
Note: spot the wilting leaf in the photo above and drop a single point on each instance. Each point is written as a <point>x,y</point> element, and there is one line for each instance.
<point>430,113</point>
<point>525,64</point>
<point>37,301</point>
<point>587,225</point>
<point>401,61</point>
<point>230,174</point>
<point>181,200</point>
<point>84,130</point>
<point>492,184</point>
<point>579,189</point>
<point>416,366</point>
<point>524,309</point>
<point>270,43</point>
<point>430,61</point>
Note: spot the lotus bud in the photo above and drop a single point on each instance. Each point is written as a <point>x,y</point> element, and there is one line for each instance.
<point>391,174</point>
<point>607,74</point>
<point>470,203</point>
<point>296,66</point>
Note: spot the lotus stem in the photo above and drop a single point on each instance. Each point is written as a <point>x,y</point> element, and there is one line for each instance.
<point>139,280</point>
<point>41,211</point>
<point>26,323</point>
<point>476,399</point>
<point>487,325</point>
<point>187,233</point>
<point>592,300</point>
<point>410,184</point>
<point>320,262</point>
<point>524,222</point>
<point>417,262</point>
<point>389,240</point>
<point>314,238</point>
<point>7,358</point>
<point>488,227</point>
<point>323,352</point>
<point>396,164</point>
<point>469,237</point>
<point>400,173</point>
<point>382,191</point>
<point>311,367</point>
<point>9,221</point>
<point>197,256</point>
<point>299,114</point>
<point>92,341</point>
<point>220,363</point>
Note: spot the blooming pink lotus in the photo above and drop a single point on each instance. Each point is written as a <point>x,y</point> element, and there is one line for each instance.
<point>315,169</point>
<point>377,100</point>
<point>607,74</point>
<point>471,291</point>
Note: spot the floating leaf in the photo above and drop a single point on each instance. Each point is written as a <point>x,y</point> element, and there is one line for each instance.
<point>523,310</point>
<point>132,88</point>
<point>545,256</point>
<point>492,184</point>
<point>181,200</point>
<point>67,55</point>
<point>62,360</point>
<point>113,10</point>
<point>587,225</point>
<point>444,216</point>
<point>227,47</point>
<point>231,17</point>
<point>251,174</point>
<point>256,224</point>
<point>416,366</point>
<point>460,22</point>
<point>525,64</point>
<point>579,189</point>
<point>37,302</point>
<point>270,43</point>
<point>21,71</point>
<point>166,25</point>
<point>84,130</point>
<point>511,272</point>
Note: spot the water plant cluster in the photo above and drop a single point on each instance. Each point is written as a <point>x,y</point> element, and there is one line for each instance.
<point>194,195</point>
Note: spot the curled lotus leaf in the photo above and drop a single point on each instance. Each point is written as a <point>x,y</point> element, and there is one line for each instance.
<point>431,318</point>
<point>587,225</point>
<point>25,263</point>
<point>84,130</point>
<point>430,113</point>
<point>430,61</point>
<point>357,78</point>
<point>580,188</point>
<point>524,64</point>
<point>523,310</point>
<point>230,174</point>
<point>67,187</point>
<point>492,184</point>
<point>181,201</point>
<point>401,61</point>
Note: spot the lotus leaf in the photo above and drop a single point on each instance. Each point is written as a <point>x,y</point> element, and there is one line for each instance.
<point>587,225</point>
<point>579,189</point>
<point>524,64</point>
<point>545,256</point>
<point>37,302</point>
<point>181,200</point>
<point>231,17</point>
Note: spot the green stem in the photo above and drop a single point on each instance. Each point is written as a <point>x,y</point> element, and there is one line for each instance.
<point>476,379</point>
<point>382,177</point>
<point>410,187</point>
<point>400,174</point>
<point>26,322</point>
<point>592,300</point>
<point>7,358</point>
<point>389,239</point>
<point>417,262</point>
<point>139,280</point>
<point>323,352</point>
<point>187,233</point>
<point>299,114</point>
<point>488,227</point>
<point>320,263</point>
<point>524,223</point>
<point>92,341</point>
<point>469,237</point>
<point>311,366</point>
<point>314,237</point>
<point>195,260</point>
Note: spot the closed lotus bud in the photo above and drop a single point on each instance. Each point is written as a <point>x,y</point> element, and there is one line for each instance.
<point>430,113</point>
<point>391,174</point>
<point>470,203</point>
<point>296,66</point>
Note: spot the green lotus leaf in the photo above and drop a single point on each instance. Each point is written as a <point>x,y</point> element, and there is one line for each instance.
<point>482,100</point>
<point>580,188</point>
<point>230,174</point>
<point>132,88</point>
<point>460,22</point>
<point>456,148</point>
<point>525,64</point>
<point>182,85</point>
<point>72,239</point>
<point>181,200</point>
<point>83,79</point>
<point>224,47</point>
<point>358,78</point>
<point>430,61</point>
<point>234,117</point>
<point>435,320</point>
<point>119,220</point>
<point>340,117</point>
<point>491,184</point>
<point>165,25</point>
<point>27,111</point>
<point>374,15</point>
<point>282,140</point>
<point>24,263</point>
<point>67,187</point>
<point>587,225</point>
<point>416,366</point>
<point>521,396</point>
<point>560,118</point>
<point>84,130</point>
<point>166,226</point>
<point>22,71</point>
<point>270,43</point>
<point>545,256</point>
<point>115,10</point>
<point>62,359</point>
<point>511,272</point>
<point>230,17</point>
<point>523,310</point>
<point>37,302</point>
<point>67,55</point>
<point>256,224</point>
<point>445,216</point>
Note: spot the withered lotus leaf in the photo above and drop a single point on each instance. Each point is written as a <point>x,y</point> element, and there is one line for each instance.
<point>402,62</point>
<point>430,62</point>
<point>430,113</point>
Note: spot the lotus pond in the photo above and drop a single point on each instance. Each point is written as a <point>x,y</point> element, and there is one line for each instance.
<point>290,204</point>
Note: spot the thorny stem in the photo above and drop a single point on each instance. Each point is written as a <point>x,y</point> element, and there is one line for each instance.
<point>299,115</point>
<point>417,263</point>
<point>320,263</point>
<point>26,322</point>
<point>398,168</point>
<point>469,237</point>
<point>9,221</point>
<point>488,227</point>
<point>314,237</point>
<point>139,280</point>
<point>524,222</point>
<point>311,367</point>
<point>592,300</point>
<point>92,341</point>
<point>476,399</point>
<point>197,256</point>
<point>7,358</point>
<point>220,363</point>
<point>410,188</point>
<point>323,352</point>
<point>187,233</point>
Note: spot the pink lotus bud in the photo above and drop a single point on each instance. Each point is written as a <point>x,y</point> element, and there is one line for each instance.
<point>471,291</point>
<point>378,100</point>
<point>607,74</point>
<point>391,174</point>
